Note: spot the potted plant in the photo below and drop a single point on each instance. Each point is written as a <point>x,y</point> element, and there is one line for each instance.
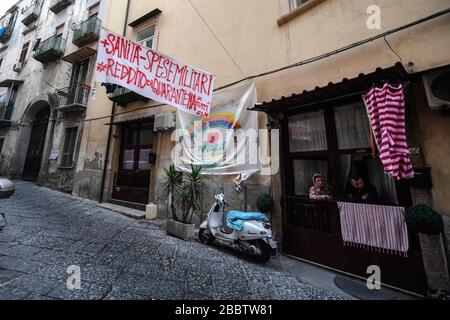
<point>171,186</point>
<point>429,225</point>
<point>264,203</point>
<point>184,193</point>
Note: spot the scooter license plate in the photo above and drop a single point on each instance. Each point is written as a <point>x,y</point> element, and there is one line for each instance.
<point>272,243</point>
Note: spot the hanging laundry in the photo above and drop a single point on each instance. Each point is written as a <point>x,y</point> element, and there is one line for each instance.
<point>386,110</point>
<point>110,88</point>
<point>2,31</point>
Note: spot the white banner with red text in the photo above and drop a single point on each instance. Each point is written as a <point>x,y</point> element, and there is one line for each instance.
<point>153,75</point>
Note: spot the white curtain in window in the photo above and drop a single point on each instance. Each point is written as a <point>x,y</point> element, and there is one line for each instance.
<point>128,159</point>
<point>346,166</point>
<point>384,183</point>
<point>307,132</point>
<point>352,126</point>
<point>304,171</point>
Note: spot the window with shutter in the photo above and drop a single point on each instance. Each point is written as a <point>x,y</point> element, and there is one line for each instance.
<point>69,147</point>
<point>24,53</point>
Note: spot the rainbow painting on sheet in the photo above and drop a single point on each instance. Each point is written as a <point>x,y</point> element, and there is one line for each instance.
<point>216,120</point>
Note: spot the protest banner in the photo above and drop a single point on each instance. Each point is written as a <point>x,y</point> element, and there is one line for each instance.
<point>153,75</point>
<point>225,142</point>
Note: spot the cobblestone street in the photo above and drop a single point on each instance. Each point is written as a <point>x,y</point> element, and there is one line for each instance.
<point>122,258</point>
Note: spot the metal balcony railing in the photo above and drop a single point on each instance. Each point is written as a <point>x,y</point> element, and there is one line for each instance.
<point>6,110</point>
<point>56,6</point>
<point>51,49</point>
<point>74,96</point>
<point>32,13</point>
<point>120,91</point>
<point>123,96</point>
<point>87,32</point>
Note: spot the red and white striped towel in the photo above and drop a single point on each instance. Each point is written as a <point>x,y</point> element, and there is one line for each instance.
<point>386,110</point>
<point>373,227</point>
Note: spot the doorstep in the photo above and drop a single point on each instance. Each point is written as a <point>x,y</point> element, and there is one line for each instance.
<point>129,212</point>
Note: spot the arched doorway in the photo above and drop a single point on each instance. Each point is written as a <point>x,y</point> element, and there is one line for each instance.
<point>33,158</point>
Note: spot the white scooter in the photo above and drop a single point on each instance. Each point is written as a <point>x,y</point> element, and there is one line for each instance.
<point>255,238</point>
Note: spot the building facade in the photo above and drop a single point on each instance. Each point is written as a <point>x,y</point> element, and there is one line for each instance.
<point>48,53</point>
<point>344,47</point>
<point>319,57</point>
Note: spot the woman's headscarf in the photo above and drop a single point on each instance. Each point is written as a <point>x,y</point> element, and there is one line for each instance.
<point>315,176</point>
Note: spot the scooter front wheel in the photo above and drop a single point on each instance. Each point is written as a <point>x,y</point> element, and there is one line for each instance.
<point>205,236</point>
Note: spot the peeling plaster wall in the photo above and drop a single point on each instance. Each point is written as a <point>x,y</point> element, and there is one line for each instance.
<point>40,81</point>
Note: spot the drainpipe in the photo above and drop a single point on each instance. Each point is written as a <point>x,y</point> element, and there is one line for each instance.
<point>113,111</point>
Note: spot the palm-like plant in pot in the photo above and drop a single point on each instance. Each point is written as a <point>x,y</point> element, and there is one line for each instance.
<point>185,202</point>
<point>172,185</point>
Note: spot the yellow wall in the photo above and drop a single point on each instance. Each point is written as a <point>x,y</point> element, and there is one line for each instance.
<point>249,32</point>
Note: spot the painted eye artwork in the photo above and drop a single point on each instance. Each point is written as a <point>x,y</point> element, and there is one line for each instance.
<point>213,137</point>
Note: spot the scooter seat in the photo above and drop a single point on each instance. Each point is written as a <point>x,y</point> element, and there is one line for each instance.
<point>225,228</point>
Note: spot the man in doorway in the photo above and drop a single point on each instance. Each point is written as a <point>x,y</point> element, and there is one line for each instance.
<point>360,191</point>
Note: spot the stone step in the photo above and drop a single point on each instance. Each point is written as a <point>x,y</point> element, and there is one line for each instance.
<point>129,212</point>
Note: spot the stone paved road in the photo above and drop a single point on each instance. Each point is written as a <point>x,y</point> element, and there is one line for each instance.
<point>121,258</point>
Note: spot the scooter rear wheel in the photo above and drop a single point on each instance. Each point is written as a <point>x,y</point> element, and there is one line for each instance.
<point>266,252</point>
<point>205,236</point>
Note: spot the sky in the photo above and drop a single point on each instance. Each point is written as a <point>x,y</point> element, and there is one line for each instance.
<point>5,5</point>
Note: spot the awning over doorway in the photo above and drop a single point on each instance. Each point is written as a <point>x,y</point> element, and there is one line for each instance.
<point>333,91</point>
<point>131,121</point>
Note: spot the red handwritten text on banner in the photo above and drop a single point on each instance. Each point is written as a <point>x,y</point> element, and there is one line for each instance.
<point>153,75</point>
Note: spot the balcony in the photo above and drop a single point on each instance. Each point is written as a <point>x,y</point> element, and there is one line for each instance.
<point>6,111</point>
<point>74,98</point>
<point>56,6</point>
<point>7,34</point>
<point>122,96</point>
<point>9,78</point>
<point>87,32</point>
<point>51,49</point>
<point>32,13</point>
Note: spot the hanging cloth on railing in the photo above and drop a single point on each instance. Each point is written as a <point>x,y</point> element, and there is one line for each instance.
<point>386,111</point>
<point>376,228</point>
<point>2,32</point>
<point>110,88</point>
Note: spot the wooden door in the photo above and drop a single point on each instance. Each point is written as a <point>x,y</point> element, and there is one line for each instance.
<point>36,146</point>
<point>132,180</point>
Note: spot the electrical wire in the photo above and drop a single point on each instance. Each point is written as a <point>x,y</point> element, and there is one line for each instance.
<point>389,45</point>
<point>217,38</point>
<point>300,63</point>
